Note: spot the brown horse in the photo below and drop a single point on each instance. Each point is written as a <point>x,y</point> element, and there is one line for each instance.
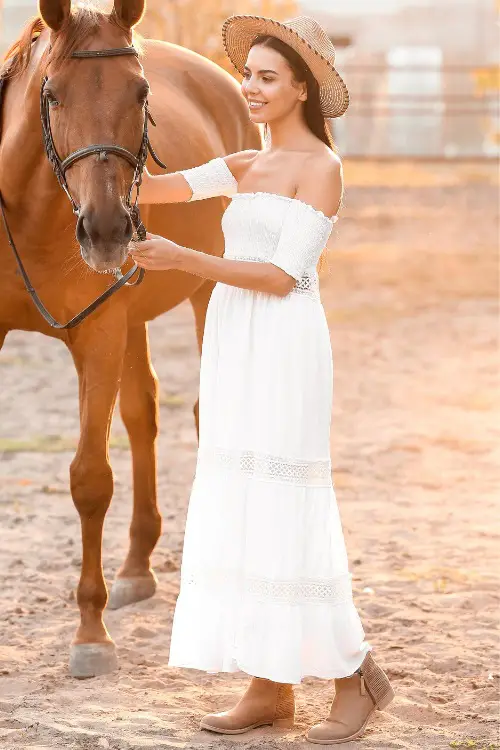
<point>200,114</point>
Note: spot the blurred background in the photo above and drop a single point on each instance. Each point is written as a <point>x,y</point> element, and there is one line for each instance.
<point>423,74</point>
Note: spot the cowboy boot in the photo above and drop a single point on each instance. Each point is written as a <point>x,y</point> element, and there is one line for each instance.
<point>264,702</point>
<point>356,699</point>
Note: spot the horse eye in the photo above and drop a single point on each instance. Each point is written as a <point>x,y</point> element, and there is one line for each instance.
<point>143,94</point>
<point>51,99</point>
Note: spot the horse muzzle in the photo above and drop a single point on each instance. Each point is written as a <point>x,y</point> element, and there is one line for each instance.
<point>104,238</point>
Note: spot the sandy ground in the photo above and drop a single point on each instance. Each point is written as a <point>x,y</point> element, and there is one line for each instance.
<point>411,302</point>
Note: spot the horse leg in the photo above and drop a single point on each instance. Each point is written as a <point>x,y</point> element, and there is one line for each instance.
<point>199,301</point>
<point>139,409</point>
<point>99,368</point>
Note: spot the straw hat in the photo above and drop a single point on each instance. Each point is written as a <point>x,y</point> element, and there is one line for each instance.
<point>306,37</point>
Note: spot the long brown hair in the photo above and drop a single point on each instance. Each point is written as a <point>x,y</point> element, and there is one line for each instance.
<point>312,106</point>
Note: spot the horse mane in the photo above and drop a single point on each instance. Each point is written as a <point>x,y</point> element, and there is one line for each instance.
<point>83,23</point>
<point>18,56</point>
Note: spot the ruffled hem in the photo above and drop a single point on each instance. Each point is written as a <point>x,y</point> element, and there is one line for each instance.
<point>276,640</point>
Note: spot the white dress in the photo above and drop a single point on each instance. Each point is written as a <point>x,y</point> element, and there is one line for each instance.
<point>265,583</point>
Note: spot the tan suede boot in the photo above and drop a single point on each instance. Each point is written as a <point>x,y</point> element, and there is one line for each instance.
<point>356,699</point>
<point>264,702</point>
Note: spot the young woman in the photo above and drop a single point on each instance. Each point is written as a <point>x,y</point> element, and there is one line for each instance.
<point>265,584</point>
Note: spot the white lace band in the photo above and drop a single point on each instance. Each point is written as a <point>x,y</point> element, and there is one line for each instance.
<point>268,468</point>
<point>305,591</point>
<point>308,286</point>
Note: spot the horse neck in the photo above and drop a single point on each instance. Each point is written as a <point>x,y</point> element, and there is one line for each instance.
<point>28,185</point>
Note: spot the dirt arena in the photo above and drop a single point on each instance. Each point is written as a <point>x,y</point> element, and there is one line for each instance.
<point>411,298</point>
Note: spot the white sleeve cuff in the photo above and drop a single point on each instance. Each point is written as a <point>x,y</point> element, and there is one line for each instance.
<point>209,180</point>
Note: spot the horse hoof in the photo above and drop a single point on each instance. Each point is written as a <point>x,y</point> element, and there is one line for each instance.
<point>129,590</point>
<point>92,659</point>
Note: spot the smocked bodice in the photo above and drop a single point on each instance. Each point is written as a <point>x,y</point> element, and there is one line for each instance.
<point>253,224</point>
<point>265,227</point>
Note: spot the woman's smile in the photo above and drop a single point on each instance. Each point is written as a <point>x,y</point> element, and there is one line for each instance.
<point>255,104</point>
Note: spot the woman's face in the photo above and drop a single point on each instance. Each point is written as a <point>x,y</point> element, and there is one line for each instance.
<point>269,85</point>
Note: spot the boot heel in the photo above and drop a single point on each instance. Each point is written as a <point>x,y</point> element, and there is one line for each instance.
<point>285,707</point>
<point>287,723</point>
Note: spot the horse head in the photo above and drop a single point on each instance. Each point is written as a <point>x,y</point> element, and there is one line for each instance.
<point>91,102</point>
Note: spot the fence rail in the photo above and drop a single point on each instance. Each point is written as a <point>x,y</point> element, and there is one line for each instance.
<point>428,110</point>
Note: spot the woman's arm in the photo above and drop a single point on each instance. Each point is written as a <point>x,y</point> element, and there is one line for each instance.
<point>257,277</point>
<point>164,188</point>
<point>160,254</point>
<point>177,188</point>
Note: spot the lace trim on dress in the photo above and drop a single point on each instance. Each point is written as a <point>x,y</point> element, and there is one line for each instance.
<point>249,258</point>
<point>330,590</point>
<point>308,286</point>
<point>302,591</point>
<point>268,468</point>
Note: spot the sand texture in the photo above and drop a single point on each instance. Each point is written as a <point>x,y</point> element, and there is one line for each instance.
<point>411,300</point>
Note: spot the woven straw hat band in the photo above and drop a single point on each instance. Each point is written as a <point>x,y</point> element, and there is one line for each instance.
<point>306,37</point>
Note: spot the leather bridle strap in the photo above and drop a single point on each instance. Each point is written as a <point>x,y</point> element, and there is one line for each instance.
<point>38,302</point>
<point>112,52</point>
<point>60,166</point>
<point>98,149</point>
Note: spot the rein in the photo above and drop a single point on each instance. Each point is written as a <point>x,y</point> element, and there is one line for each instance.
<point>60,167</point>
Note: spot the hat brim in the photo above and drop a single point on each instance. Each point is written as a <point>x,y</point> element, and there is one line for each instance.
<point>239,32</point>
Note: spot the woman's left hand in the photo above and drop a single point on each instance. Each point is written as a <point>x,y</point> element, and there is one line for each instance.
<point>156,253</point>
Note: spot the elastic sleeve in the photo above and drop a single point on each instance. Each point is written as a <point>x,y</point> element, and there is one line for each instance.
<point>210,180</point>
<point>303,238</point>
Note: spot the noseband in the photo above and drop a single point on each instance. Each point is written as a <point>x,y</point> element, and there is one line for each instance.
<point>60,167</point>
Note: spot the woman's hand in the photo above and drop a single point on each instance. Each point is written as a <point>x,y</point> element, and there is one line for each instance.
<point>157,253</point>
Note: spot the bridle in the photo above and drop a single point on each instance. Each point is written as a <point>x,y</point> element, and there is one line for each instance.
<point>60,167</point>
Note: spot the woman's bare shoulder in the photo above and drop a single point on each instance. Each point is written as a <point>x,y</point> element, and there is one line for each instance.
<point>323,165</point>
<point>320,182</point>
<point>240,161</point>
<point>324,159</point>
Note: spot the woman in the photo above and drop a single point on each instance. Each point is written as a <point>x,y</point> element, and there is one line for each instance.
<point>265,585</point>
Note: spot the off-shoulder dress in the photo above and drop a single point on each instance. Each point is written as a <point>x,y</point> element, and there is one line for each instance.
<point>265,582</point>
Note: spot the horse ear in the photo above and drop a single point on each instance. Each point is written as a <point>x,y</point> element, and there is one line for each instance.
<point>129,12</point>
<point>54,12</point>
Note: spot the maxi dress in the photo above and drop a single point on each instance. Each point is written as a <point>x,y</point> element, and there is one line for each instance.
<point>265,583</point>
